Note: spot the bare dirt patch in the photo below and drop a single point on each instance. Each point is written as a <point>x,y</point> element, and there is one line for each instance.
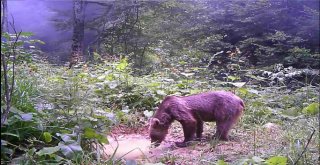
<point>134,144</point>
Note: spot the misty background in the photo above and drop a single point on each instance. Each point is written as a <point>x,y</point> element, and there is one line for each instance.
<point>42,19</point>
<point>147,31</point>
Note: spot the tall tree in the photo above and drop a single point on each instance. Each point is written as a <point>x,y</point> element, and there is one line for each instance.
<point>78,32</point>
<point>4,16</point>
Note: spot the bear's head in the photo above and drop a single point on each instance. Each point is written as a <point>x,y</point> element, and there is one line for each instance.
<point>157,131</point>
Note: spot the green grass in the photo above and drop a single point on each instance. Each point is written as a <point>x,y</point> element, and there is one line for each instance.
<point>102,96</point>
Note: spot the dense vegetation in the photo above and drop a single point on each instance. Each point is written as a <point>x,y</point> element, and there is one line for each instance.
<point>265,51</point>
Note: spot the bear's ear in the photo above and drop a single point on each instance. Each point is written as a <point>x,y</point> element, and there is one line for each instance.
<point>154,121</point>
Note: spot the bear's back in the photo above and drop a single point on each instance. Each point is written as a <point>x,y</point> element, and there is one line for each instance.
<point>215,105</point>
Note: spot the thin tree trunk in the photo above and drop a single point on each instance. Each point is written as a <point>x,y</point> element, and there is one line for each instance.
<point>5,113</point>
<point>4,68</point>
<point>4,16</point>
<point>78,32</point>
<point>8,89</point>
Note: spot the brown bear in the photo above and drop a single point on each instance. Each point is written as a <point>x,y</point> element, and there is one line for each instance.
<point>223,107</point>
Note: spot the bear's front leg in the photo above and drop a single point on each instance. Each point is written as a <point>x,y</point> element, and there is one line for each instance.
<point>189,129</point>
<point>199,129</point>
<point>223,129</point>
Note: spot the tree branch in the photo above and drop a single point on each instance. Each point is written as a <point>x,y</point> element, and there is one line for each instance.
<point>9,88</point>
<point>305,148</point>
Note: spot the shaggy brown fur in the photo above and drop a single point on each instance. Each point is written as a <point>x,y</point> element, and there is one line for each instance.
<point>224,108</point>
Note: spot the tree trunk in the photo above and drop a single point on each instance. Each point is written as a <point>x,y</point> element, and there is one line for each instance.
<point>4,66</point>
<point>4,16</point>
<point>78,32</point>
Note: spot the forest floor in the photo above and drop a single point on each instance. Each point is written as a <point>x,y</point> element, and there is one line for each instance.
<point>134,144</point>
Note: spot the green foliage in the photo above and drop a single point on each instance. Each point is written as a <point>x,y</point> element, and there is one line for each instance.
<point>277,160</point>
<point>47,137</point>
<point>13,44</point>
<point>221,162</point>
<point>32,133</point>
<point>86,102</point>
<point>91,134</point>
<point>274,160</point>
<point>311,109</point>
<point>157,34</point>
<point>168,158</point>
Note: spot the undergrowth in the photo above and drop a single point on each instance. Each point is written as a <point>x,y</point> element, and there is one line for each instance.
<point>62,116</point>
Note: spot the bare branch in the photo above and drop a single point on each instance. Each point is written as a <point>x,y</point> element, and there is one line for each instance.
<point>9,88</point>
<point>305,148</point>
